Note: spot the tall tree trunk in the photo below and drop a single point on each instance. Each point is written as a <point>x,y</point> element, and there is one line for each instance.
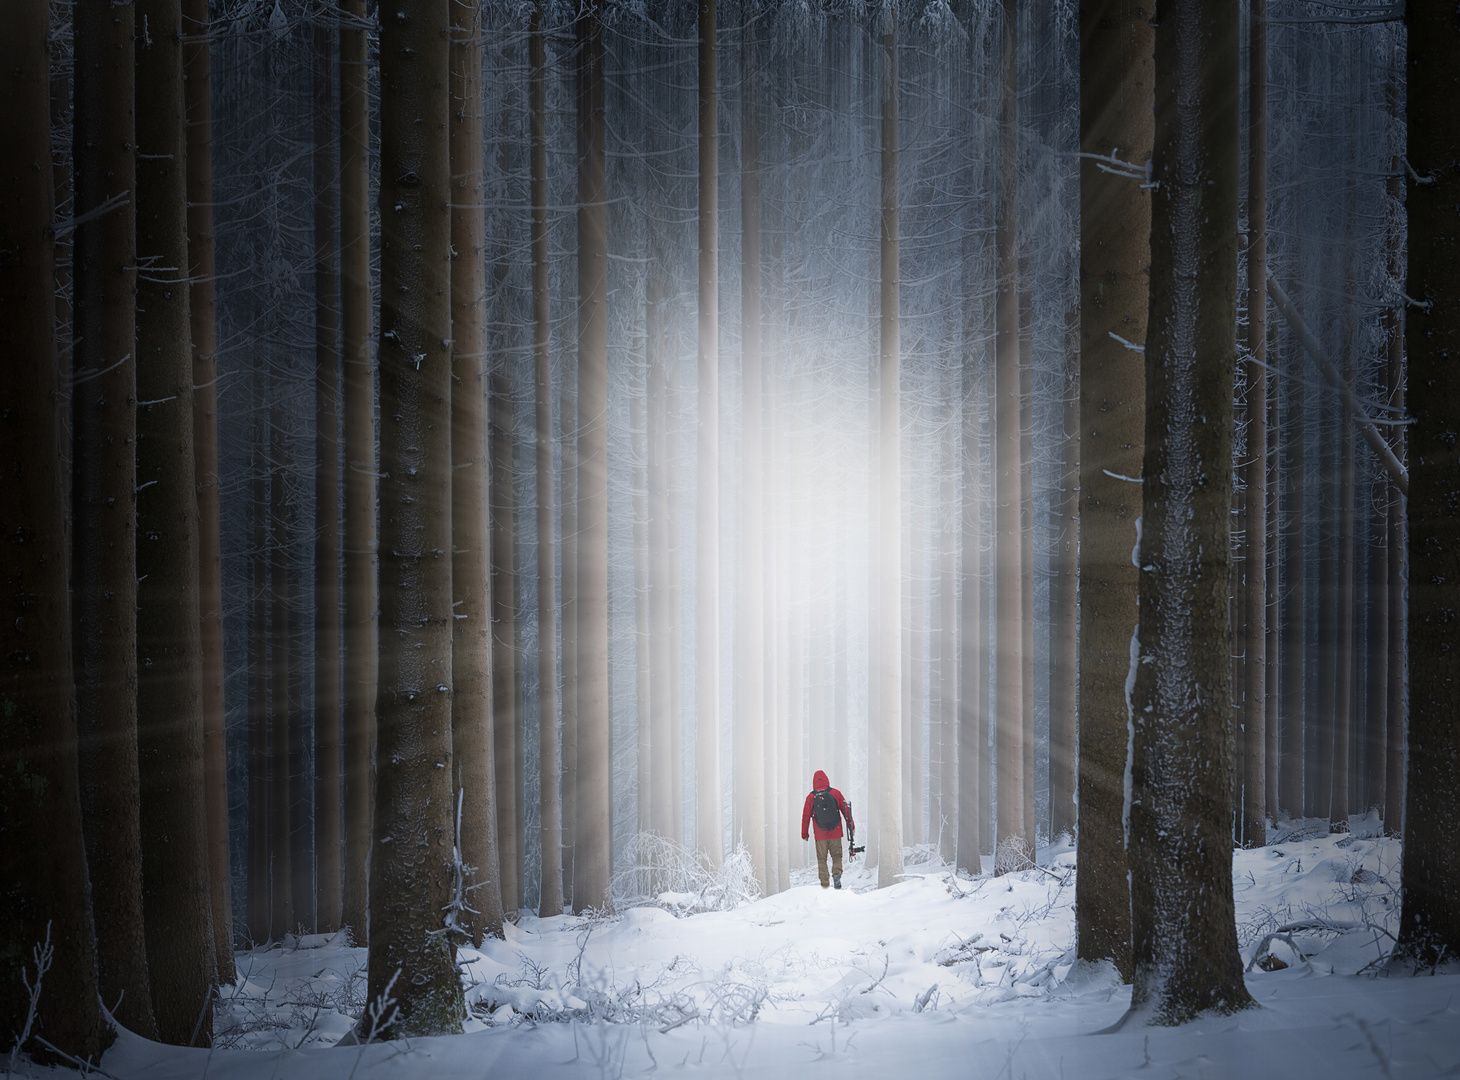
<point>411,871</point>
<point>1254,632</point>
<point>1395,517</point>
<point>1343,713</point>
<point>258,674</point>
<point>592,866</point>
<point>945,721</point>
<point>1063,639</point>
<point>203,315</point>
<point>750,602</point>
<point>889,510</point>
<point>674,570</point>
<point>1026,542</point>
<point>1293,642</point>
<point>664,649</point>
<point>506,655</point>
<point>1184,939</point>
<point>568,424</point>
<point>1116,57</point>
<point>181,959</point>
<point>1326,673</point>
<point>1429,927</point>
<point>640,410</point>
<point>472,743</point>
<point>327,671</point>
<point>361,523</point>
<point>549,762</point>
<point>45,896</point>
<point>281,705</point>
<point>104,567</point>
<point>708,831</point>
<point>1012,843</point>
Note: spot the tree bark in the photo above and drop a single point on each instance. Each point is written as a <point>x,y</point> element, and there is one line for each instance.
<point>1395,518</point>
<point>258,674</point>
<point>1293,658</point>
<point>104,566</point>
<point>708,831</point>
<point>749,745</point>
<point>1429,926</point>
<point>411,859</point>
<point>361,522</point>
<point>282,916</point>
<point>1063,636</point>
<point>1012,843</point>
<point>889,510</point>
<point>181,958</point>
<point>45,897</point>
<point>472,743</point>
<point>1184,939</point>
<point>592,866</point>
<point>506,641</point>
<point>549,762</point>
<point>1254,633</point>
<point>329,854</point>
<point>203,315</point>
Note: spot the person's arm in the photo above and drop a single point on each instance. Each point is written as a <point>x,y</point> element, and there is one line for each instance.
<point>806,816</point>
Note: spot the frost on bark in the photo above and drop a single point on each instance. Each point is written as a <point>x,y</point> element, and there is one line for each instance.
<point>474,780</point>
<point>888,650</point>
<point>1116,58</point>
<point>361,545</point>
<point>592,856</point>
<point>411,860</point>
<point>1429,925</point>
<point>176,904</point>
<point>44,892</point>
<point>104,567</point>
<point>1184,939</point>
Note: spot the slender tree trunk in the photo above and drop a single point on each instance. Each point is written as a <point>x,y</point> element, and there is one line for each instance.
<point>281,706</point>
<point>1293,643</point>
<point>1430,924</point>
<point>567,421</point>
<point>592,868</point>
<point>104,567</point>
<point>1026,540</point>
<point>258,676</point>
<point>45,896</point>
<point>181,958</point>
<point>946,719</point>
<point>1184,940</point>
<point>1063,639</point>
<point>361,545</point>
<point>549,762</point>
<point>327,671</point>
<point>1326,674</point>
<point>663,647</point>
<point>708,830</point>
<point>1254,632</point>
<point>1343,713</point>
<point>1376,642</point>
<point>750,602</point>
<point>198,88</point>
<point>473,746</point>
<point>889,511</point>
<point>411,871</point>
<point>506,662</point>
<point>675,682</point>
<point>1012,843</point>
<point>1396,519</point>
<point>645,640</point>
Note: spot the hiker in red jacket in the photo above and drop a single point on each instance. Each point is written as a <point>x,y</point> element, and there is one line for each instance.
<point>826,808</point>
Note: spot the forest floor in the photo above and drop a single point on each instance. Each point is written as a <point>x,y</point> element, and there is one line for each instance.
<point>940,975</point>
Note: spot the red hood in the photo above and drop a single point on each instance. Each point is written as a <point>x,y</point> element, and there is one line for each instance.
<point>819,781</point>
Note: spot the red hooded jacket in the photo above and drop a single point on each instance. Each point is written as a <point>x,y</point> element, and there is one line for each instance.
<point>818,782</point>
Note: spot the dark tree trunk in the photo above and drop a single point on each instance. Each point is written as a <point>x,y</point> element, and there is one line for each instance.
<point>45,898</point>
<point>329,853</point>
<point>104,567</point>
<point>281,701</point>
<point>412,883</point>
<point>506,665</point>
<point>181,958</point>
<point>361,524</point>
<point>1116,57</point>
<point>258,675</point>
<point>1184,938</point>
<point>1430,924</point>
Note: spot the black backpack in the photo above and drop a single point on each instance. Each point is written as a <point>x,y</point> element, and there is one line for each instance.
<point>825,811</point>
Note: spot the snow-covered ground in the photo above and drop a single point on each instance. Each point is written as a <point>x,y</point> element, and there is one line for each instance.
<point>937,976</point>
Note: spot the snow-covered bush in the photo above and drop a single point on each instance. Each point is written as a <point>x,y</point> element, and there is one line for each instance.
<point>659,872</point>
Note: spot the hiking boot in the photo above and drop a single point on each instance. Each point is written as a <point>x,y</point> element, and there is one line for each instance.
<point>824,885</point>
<point>837,880</point>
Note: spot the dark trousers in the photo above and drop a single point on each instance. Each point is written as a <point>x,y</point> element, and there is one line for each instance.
<point>834,845</point>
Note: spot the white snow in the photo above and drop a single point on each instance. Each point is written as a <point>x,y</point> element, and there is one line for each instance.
<point>938,976</point>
